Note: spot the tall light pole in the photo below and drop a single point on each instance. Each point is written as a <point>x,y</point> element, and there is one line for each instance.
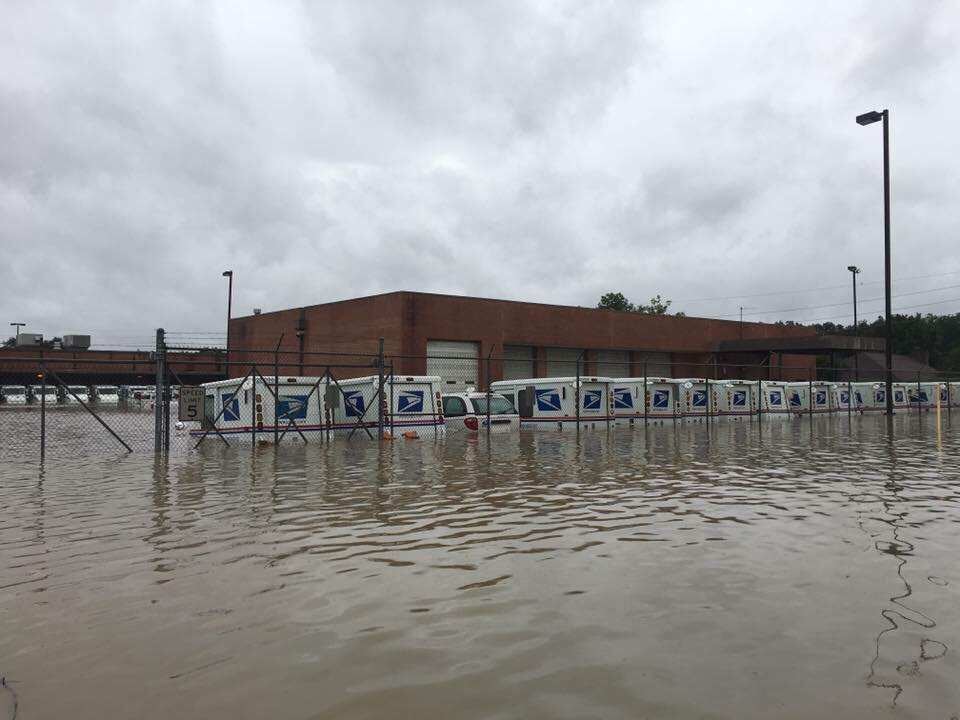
<point>868,119</point>
<point>854,271</point>
<point>17,326</point>
<point>229,274</point>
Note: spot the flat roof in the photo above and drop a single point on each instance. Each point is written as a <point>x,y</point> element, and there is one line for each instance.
<point>475,298</point>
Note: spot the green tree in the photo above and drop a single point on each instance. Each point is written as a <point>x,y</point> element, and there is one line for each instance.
<point>936,336</point>
<point>657,306</point>
<point>618,301</point>
<point>615,301</point>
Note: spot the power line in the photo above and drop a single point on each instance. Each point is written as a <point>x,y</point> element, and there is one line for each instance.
<point>809,290</point>
<point>895,310</point>
<point>837,304</point>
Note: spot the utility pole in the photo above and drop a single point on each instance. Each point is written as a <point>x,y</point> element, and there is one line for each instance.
<point>854,271</point>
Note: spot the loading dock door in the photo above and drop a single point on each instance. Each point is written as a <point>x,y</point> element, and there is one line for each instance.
<point>612,363</point>
<point>455,363</point>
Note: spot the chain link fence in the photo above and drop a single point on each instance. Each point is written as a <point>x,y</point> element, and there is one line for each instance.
<point>54,407</point>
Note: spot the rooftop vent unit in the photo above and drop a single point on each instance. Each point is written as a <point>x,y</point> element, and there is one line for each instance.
<point>29,339</point>
<point>75,342</point>
<point>257,311</point>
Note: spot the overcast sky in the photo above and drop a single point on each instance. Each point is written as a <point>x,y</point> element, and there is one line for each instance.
<point>545,151</point>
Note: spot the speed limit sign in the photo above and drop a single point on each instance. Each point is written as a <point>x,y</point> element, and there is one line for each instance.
<point>191,404</point>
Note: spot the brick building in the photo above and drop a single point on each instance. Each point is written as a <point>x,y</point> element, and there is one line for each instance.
<point>524,339</point>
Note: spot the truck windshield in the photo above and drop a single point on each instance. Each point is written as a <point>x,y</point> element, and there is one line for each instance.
<point>499,405</point>
<point>8,392</point>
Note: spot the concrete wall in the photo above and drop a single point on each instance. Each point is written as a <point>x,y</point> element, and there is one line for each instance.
<point>407,320</point>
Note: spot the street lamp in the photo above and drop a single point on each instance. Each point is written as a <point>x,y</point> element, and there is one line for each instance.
<point>229,274</point>
<point>854,271</point>
<point>868,119</point>
<point>17,326</point>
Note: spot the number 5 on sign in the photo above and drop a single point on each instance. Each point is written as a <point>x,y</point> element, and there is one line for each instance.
<point>191,404</point>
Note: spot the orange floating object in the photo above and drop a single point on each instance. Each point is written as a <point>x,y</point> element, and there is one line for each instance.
<point>411,435</point>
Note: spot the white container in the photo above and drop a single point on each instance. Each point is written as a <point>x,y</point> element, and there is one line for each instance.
<point>800,399</point>
<point>698,398</point>
<point>239,406</point>
<point>737,398</point>
<point>872,396</point>
<point>922,396</point>
<point>13,394</point>
<point>312,406</point>
<point>76,394</point>
<point>662,399</point>
<point>413,405</point>
<point>551,402</point>
<point>775,398</point>
<point>35,395</point>
<point>106,395</point>
<point>954,390</point>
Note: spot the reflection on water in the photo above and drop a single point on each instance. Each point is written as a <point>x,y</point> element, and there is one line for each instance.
<point>788,569</point>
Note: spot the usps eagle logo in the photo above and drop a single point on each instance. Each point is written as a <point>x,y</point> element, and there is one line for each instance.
<point>231,408</point>
<point>622,399</point>
<point>353,403</point>
<point>776,398</point>
<point>292,407</point>
<point>739,399</point>
<point>548,400</point>
<point>410,401</point>
<point>591,399</point>
<point>700,398</point>
<point>661,399</point>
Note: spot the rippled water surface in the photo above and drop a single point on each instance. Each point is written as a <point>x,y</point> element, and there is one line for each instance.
<point>790,569</point>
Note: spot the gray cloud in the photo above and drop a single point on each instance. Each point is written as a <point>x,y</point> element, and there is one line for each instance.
<point>531,150</point>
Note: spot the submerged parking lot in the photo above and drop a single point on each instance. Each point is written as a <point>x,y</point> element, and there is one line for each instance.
<point>685,571</point>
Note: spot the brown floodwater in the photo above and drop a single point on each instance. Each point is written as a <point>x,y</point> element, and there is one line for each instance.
<point>788,569</point>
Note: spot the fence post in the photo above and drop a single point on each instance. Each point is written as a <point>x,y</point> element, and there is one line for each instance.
<point>849,398</point>
<point>576,392</point>
<point>949,399</point>
<point>43,411</point>
<point>645,393</point>
<point>810,396</point>
<point>707,407</point>
<point>167,392</point>
<point>158,394</point>
<point>253,412</point>
<point>759,399</point>
<point>919,408</point>
<point>276,391</point>
<point>379,393</point>
<point>489,393</point>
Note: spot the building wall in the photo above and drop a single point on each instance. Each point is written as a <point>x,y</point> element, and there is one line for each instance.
<point>407,320</point>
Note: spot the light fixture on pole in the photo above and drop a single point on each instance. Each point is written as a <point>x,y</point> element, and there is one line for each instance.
<point>229,274</point>
<point>17,326</point>
<point>868,119</point>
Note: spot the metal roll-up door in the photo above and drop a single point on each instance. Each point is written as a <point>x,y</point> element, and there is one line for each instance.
<point>518,362</point>
<point>454,362</point>
<point>612,363</point>
<point>562,362</point>
<point>658,364</point>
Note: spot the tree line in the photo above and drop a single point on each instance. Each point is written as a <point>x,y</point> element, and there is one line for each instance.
<point>936,336</point>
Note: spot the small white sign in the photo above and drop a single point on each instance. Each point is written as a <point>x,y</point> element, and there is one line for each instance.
<point>191,404</point>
